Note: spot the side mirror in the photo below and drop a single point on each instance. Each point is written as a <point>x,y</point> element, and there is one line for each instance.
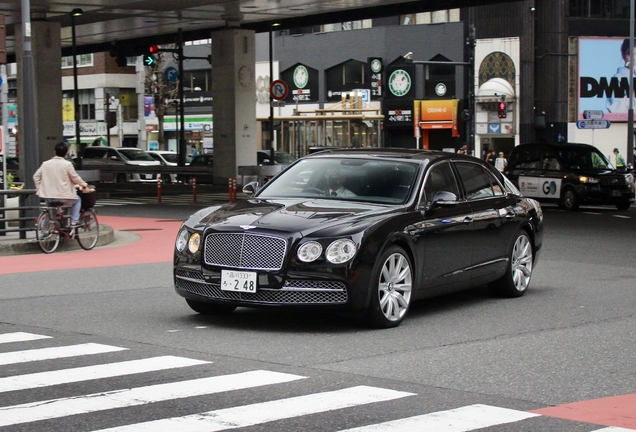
<point>444,199</point>
<point>114,158</point>
<point>250,188</point>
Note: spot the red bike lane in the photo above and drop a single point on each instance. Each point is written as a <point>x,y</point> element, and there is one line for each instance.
<point>154,243</point>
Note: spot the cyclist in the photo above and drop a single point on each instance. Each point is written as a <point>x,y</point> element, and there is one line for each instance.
<point>55,180</point>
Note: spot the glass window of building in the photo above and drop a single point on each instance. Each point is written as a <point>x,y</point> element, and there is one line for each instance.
<point>618,9</point>
<point>83,60</point>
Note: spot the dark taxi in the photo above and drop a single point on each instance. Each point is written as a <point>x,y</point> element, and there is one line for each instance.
<point>569,175</point>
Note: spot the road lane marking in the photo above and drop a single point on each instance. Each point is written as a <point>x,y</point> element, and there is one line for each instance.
<point>21,337</point>
<point>64,376</point>
<point>462,419</point>
<point>55,352</point>
<point>124,398</point>
<point>250,415</point>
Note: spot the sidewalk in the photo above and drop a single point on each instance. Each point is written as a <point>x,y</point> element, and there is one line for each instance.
<point>12,244</point>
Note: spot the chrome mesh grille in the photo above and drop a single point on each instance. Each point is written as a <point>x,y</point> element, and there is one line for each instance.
<point>246,251</point>
<point>294,292</point>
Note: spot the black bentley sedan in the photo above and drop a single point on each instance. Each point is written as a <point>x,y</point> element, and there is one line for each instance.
<point>363,230</point>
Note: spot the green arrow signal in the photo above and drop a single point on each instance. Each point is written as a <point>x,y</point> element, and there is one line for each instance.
<point>149,60</point>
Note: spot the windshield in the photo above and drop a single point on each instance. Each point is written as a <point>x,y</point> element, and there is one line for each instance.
<point>368,180</point>
<point>136,155</point>
<point>283,158</point>
<point>171,157</point>
<point>584,158</point>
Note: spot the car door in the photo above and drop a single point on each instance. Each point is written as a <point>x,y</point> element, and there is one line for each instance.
<point>443,234</point>
<point>493,218</point>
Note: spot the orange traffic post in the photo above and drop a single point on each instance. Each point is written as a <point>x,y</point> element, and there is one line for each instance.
<point>158,188</point>
<point>229,189</point>
<point>194,190</point>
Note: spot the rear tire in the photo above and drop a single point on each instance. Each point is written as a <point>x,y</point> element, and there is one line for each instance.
<point>88,233</point>
<point>209,308</point>
<point>519,271</point>
<point>46,233</point>
<point>623,205</point>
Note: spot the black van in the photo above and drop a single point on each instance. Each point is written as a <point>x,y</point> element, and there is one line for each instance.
<point>570,175</point>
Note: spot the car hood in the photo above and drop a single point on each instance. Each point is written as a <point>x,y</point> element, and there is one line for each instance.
<point>143,163</point>
<point>291,215</point>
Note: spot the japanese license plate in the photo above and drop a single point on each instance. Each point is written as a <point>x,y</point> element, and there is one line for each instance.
<point>148,176</point>
<point>616,193</point>
<point>241,281</point>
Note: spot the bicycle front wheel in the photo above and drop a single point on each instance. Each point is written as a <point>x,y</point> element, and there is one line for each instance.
<point>46,232</point>
<point>88,233</point>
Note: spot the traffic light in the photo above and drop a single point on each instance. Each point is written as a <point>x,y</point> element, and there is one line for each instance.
<point>148,53</point>
<point>120,54</point>
<point>502,109</point>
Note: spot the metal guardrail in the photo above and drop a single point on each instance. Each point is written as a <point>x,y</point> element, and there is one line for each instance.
<point>22,219</point>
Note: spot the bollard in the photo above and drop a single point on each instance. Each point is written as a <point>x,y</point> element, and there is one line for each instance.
<point>158,188</point>
<point>234,189</point>
<point>194,190</point>
<point>229,189</point>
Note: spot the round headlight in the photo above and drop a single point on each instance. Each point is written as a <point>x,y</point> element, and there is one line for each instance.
<point>341,251</point>
<point>182,239</point>
<point>309,251</point>
<point>194,243</point>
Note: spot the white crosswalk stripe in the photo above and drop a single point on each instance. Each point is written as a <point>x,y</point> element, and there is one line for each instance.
<point>184,199</point>
<point>43,379</point>
<point>44,410</point>
<point>461,419</point>
<point>250,415</point>
<point>20,337</point>
<point>55,352</point>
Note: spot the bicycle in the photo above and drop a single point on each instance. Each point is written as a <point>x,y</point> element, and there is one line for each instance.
<point>54,224</point>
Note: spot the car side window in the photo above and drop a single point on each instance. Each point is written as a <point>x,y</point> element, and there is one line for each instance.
<point>477,182</point>
<point>550,161</point>
<point>439,178</point>
<point>526,158</point>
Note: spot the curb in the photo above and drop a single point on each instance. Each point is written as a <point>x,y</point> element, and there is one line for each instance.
<point>22,247</point>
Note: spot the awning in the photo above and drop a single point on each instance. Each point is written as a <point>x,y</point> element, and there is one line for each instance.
<point>89,140</point>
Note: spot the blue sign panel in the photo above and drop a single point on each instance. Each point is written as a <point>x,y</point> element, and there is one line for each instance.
<point>171,74</point>
<point>593,124</point>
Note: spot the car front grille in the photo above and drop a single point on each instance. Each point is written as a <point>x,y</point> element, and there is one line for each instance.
<point>613,181</point>
<point>245,251</point>
<point>296,292</point>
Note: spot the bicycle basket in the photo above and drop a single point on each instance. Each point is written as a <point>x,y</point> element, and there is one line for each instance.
<point>88,199</point>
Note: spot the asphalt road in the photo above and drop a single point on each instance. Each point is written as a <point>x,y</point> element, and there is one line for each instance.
<point>561,358</point>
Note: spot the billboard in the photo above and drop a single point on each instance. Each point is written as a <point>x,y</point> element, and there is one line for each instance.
<point>603,83</point>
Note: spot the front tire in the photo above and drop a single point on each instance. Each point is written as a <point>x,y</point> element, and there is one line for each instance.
<point>88,232</point>
<point>519,271</point>
<point>209,308</point>
<point>391,288</point>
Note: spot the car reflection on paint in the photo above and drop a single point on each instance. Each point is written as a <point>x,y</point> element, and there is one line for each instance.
<point>414,224</point>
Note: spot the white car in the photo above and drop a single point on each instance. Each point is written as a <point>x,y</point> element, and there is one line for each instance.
<point>166,158</point>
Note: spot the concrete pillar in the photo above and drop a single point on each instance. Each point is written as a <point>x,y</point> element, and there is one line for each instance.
<point>234,95</point>
<point>46,52</point>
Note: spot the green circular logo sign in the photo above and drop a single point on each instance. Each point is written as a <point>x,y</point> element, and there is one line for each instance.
<point>301,76</point>
<point>399,82</point>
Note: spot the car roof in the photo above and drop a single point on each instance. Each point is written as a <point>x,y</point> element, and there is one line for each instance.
<point>393,153</point>
<point>559,145</point>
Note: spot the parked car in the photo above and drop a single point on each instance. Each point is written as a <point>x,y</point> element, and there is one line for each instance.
<point>415,224</point>
<point>166,158</point>
<point>263,157</point>
<point>569,175</point>
<point>96,157</point>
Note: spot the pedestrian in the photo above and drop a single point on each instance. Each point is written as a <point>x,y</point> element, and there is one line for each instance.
<point>194,152</point>
<point>55,180</point>
<point>491,157</point>
<point>501,162</point>
<point>620,160</point>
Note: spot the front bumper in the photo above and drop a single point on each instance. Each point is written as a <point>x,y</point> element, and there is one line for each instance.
<point>294,292</point>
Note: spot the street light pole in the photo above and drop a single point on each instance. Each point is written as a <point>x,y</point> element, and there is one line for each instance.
<point>80,153</point>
